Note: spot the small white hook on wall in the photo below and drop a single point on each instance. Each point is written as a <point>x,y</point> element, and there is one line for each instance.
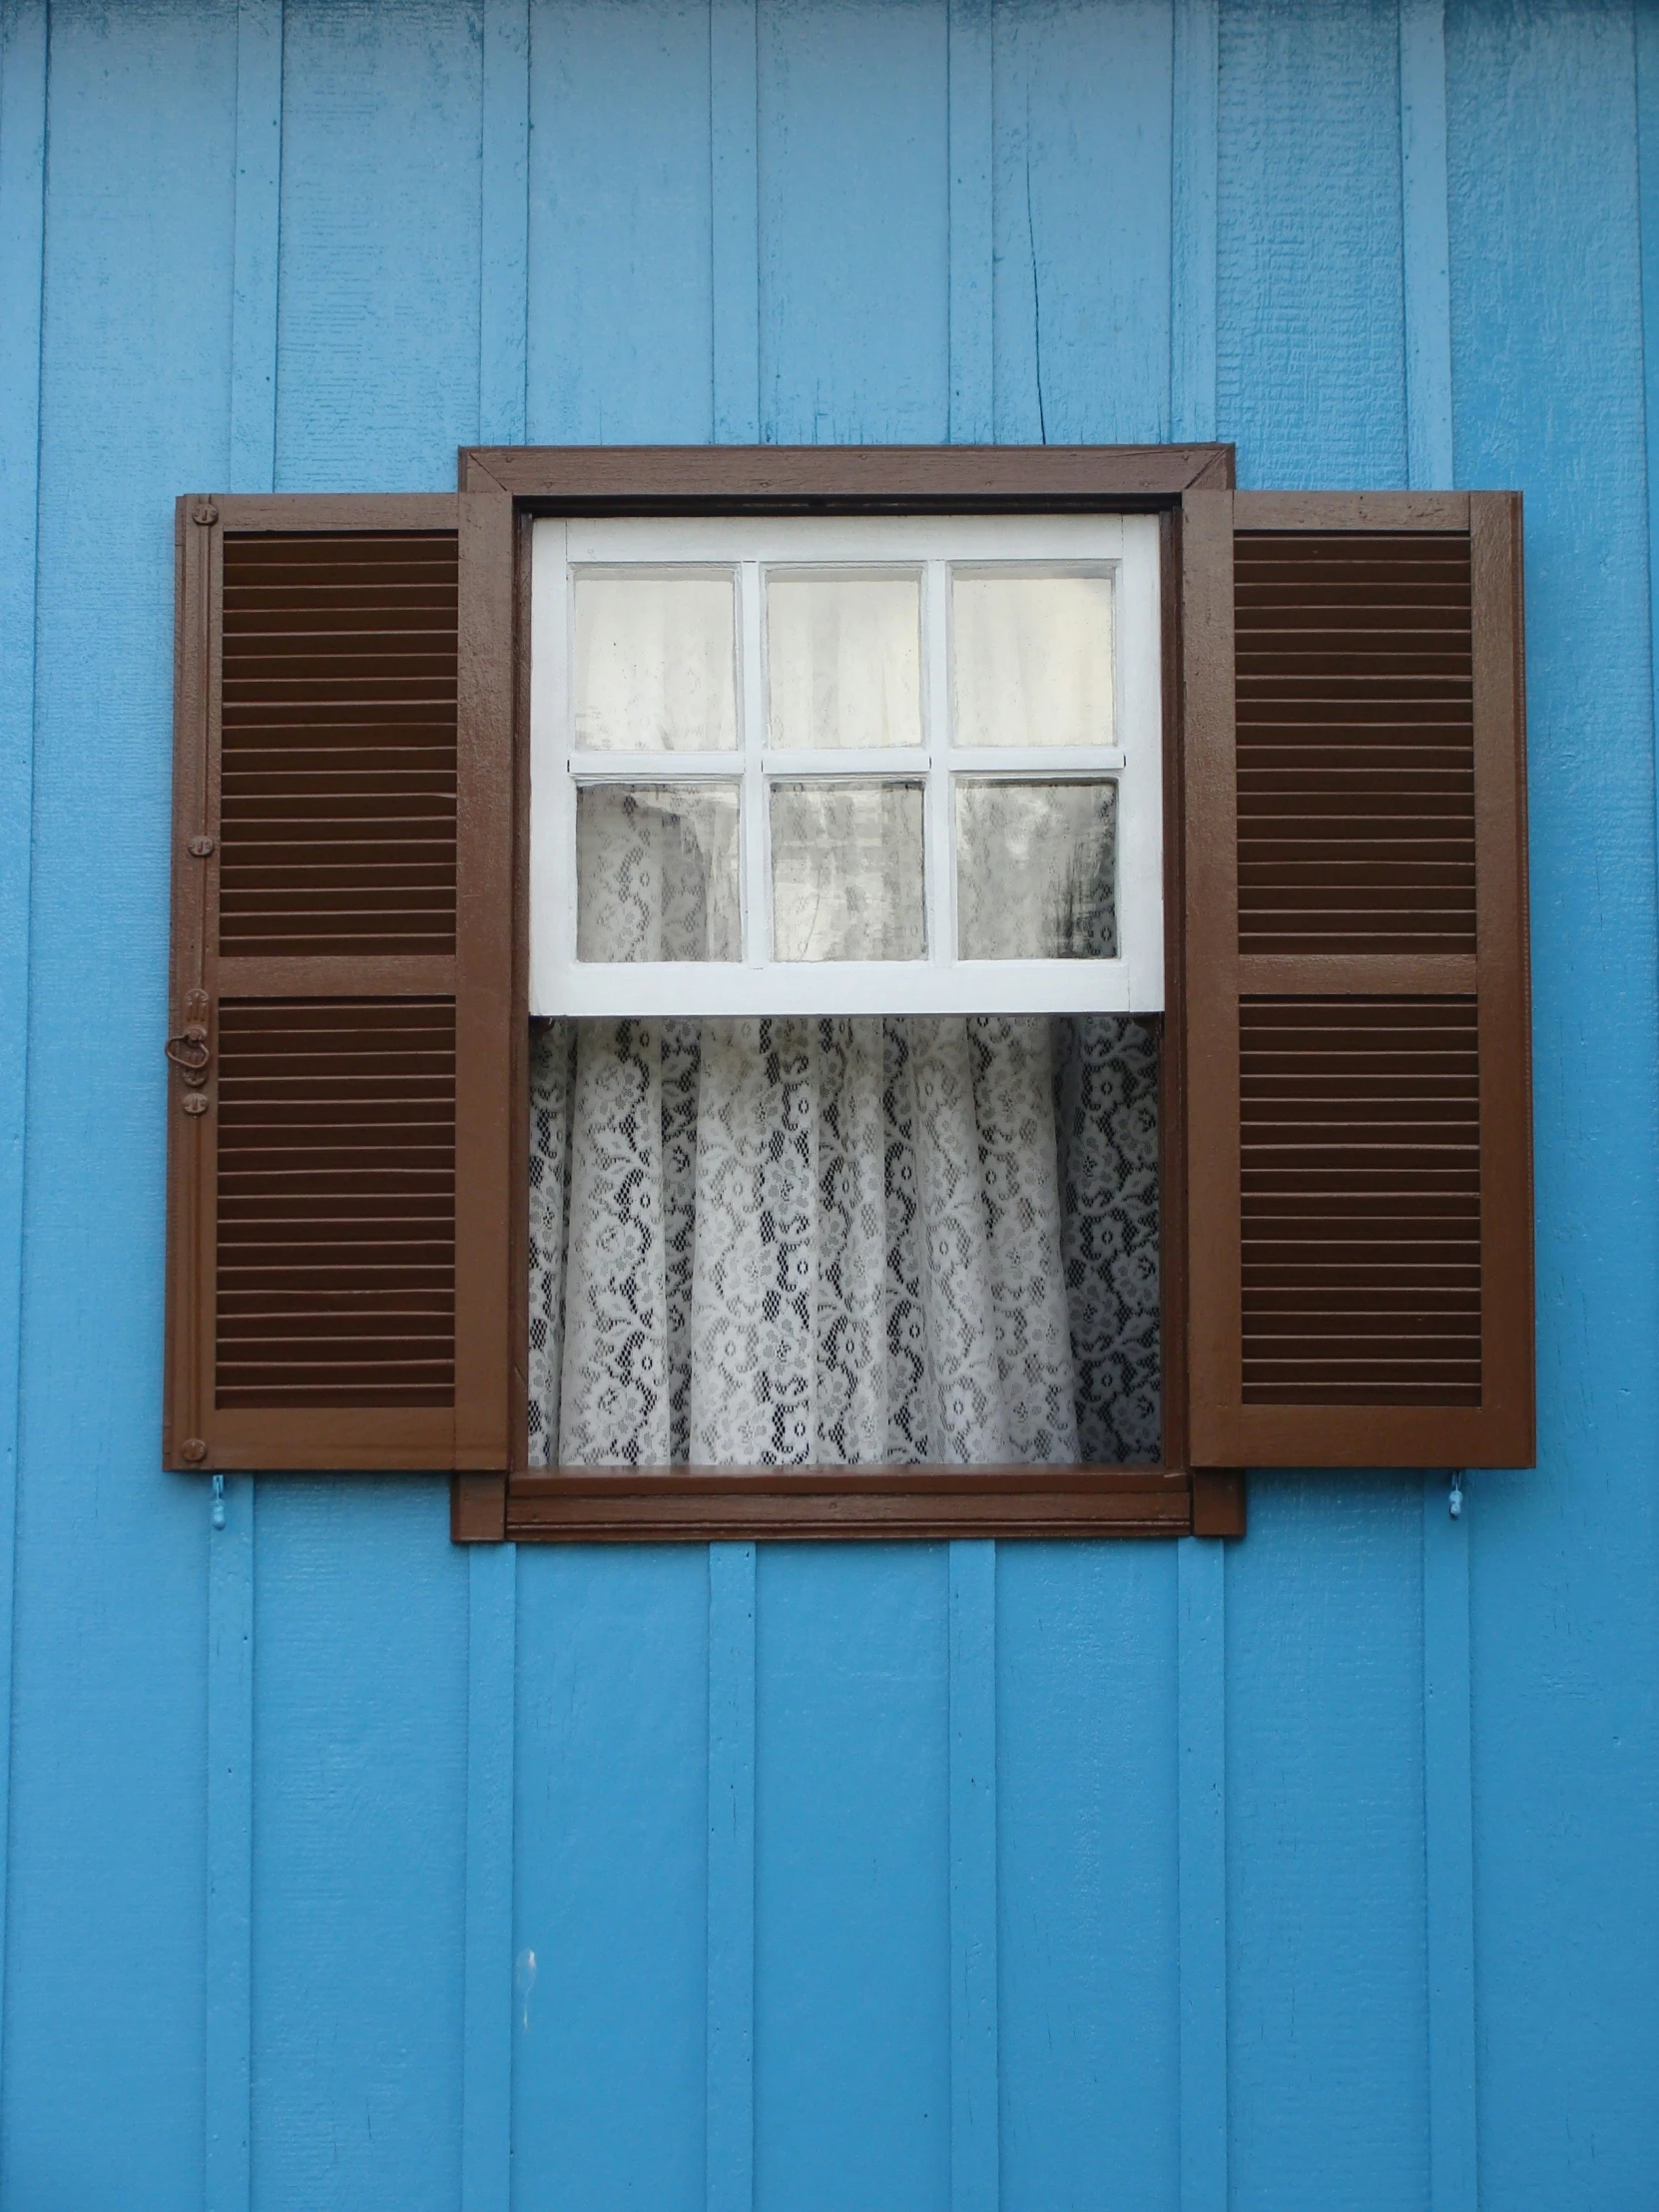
<point>1454,1497</point>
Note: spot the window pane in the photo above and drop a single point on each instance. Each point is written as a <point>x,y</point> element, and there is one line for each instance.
<point>846,872</point>
<point>1033,659</point>
<point>843,659</point>
<point>1036,867</point>
<point>653,664</point>
<point>657,873</point>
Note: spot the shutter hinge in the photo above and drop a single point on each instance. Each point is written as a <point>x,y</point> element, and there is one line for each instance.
<point>218,1501</point>
<point>1454,1497</point>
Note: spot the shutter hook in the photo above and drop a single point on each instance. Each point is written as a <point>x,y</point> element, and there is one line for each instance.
<point>218,1501</point>
<point>1454,1497</point>
<point>190,1051</point>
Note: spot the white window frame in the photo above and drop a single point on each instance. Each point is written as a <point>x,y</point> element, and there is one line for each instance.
<point>1132,982</point>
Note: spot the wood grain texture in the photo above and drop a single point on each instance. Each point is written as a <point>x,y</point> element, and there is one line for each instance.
<point>1201,1694</point>
<point>1448,1683</point>
<point>861,479</point>
<point>107,1746</point>
<point>853,2003</point>
<point>503,286</point>
<point>227,1965</point>
<point>1082,222</point>
<point>971,72</point>
<point>1449,1852</point>
<point>22,72</point>
<point>976,2161</point>
<point>259,173</point>
<point>1195,29</point>
<point>227,2060</point>
<point>729,2153</point>
<point>734,275</point>
<point>1553,401</point>
<point>487,2018</point>
<point>560,1509</point>
<point>1426,244</point>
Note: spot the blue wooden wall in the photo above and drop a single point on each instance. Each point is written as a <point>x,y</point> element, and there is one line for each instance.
<point>348,1870</point>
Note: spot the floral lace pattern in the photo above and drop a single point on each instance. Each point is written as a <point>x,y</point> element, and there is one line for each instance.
<point>803,1241</point>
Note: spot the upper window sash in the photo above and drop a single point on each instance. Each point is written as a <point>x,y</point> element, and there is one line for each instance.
<point>929,549</point>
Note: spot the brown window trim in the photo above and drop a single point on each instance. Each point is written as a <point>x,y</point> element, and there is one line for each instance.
<point>506,488</point>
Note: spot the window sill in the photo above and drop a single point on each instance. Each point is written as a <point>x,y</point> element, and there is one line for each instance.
<point>816,1504</point>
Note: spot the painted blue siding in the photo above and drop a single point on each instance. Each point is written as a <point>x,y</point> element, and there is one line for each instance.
<point>345,1869</point>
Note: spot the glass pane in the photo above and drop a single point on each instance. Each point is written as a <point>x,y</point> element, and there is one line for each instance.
<point>846,872</point>
<point>1036,867</point>
<point>1033,659</point>
<point>843,660</point>
<point>657,873</point>
<point>654,663</point>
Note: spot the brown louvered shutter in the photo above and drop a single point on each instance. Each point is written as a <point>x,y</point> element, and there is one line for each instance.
<point>342,987</point>
<point>1355,981</point>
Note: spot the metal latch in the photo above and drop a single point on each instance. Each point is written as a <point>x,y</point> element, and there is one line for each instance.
<point>189,1050</point>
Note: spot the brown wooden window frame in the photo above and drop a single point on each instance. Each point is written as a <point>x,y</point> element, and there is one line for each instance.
<point>1213,1421</point>
<point>577,1505</point>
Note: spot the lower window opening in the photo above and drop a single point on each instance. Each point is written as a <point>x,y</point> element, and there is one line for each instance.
<point>844,1242</point>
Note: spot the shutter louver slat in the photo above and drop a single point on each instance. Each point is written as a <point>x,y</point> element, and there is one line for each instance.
<point>334,1181</point>
<point>1360,1128</point>
<point>1355,979</point>
<point>1323,867</point>
<point>351,1103</point>
<point>382,668</point>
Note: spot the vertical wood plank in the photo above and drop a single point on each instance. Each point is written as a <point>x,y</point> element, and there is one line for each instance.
<point>487,2053</point>
<point>972,349</point>
<point>1020,417</point>
<point>976,2184</point>
<point>730,1933</point>
<point>257,197</point>
<point>228,1949</point>
<point>486,2095</point>
<point>1201,1661</point>
<point>1647,157</point>
<point>1563,1560</point>
<point>23,70</point>
<point>1423,160</point>
<point>492,1570</point>
<point>735,377</point>
<point>229,1964</point>
<point>1201,1592</point>
<point>733,153</point>
<point>854,223</point>
<point>1448,1841</point>
<point>504,204</point>
<point>1449,1823</point>
<point>1193,221</point>
<point>1309,330</point>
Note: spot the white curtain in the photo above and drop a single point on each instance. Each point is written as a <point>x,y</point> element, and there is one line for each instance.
<point>838,1241</point>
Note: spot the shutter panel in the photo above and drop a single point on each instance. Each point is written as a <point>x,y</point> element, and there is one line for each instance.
<point>1354,981</point>
<point>342,987</point>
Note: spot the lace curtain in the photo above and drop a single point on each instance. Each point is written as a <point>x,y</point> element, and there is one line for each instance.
<point>840,1242</point>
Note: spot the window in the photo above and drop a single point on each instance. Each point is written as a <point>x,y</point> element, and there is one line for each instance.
<point>896,765</point>
<point>1300,728</point>
<point>846,842</point>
